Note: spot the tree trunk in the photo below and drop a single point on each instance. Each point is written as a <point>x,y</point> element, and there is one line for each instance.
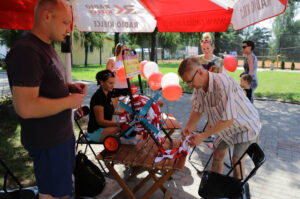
<point>217,43</point>
<point>143,54</point>
<point>153,45</point>
<point>163,53</point>
<point>86,49</point>
<point>199,44</point>
<point>100,51</point>
<point>117,39</point>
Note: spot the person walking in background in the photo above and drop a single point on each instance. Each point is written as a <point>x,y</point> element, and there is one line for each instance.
<point>246,80</point>
<point>210,61</point>
<point>250,65</point>
<point>43,99</point>
<point>113,64</point>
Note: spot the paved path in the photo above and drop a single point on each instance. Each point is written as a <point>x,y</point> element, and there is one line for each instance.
<point>280,139</point>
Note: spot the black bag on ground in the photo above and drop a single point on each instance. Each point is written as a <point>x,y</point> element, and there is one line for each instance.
<point>89,180</point>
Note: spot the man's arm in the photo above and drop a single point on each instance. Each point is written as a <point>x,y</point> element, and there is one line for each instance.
<point>28,103</point>
<point>220,126</point>
<point>191,124</point>
<point>77,88</point>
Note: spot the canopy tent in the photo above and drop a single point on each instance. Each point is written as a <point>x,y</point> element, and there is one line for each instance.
<point>167,15</point>
<point>145,15</point>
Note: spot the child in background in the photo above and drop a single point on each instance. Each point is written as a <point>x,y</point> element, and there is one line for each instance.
<point>246,80</point>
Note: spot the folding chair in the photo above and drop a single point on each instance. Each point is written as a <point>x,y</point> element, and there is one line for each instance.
<point>214,185</point>
<point>208,140</point>
<point>21,192</point>
<point>80,114</point>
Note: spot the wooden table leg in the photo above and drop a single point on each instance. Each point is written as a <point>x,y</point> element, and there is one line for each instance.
<point>134,173</point>
<point>158,184</point>
<point>141,184</point>
<point>156,179</point>
<point>171,132</point>
<point>120,181</point>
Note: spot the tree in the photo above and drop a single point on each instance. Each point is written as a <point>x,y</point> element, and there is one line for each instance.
<point>10,36</point>
<point>231,40</point>
<point>168,41</point>
<point>90,40</point>
<point>141,40</point>
<point>286,32</point>
<point>261,38</point>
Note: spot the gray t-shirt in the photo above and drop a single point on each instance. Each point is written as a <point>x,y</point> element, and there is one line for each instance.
<point>33,63</point>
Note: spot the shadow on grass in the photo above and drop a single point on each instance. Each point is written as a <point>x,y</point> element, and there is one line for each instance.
<point>288,97</point>
<point>13,154</point>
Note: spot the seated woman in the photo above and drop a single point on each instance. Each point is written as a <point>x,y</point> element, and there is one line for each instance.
<point>101,108</point>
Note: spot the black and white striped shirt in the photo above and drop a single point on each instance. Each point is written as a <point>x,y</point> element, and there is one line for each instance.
<point>225,100</point>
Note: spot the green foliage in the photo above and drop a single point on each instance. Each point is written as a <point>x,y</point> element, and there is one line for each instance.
<point>273,61</point>
<point>282,64</point>
<point>286,31</point>
<point>6,99</point>
<point>263,63</point>
<point>9,37</point>
<point>231,40</point>
<point>293,65</point>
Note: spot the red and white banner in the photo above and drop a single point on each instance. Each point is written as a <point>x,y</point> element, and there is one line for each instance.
<point>112,16</point>
<point>248,12</point>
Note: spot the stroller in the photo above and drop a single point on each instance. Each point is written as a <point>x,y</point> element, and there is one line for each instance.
<point>18,193</point>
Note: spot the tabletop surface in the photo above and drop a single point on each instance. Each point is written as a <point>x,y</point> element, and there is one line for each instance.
<point>144,153</point>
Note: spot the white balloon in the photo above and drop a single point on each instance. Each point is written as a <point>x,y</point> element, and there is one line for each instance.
<point>149,68</point>
<point>169,78</point>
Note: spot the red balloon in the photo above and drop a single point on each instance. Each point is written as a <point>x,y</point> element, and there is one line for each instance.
<point>154,80</point>
<point>230,63</point>
<point>172,92</point>
<point>142,64</point>
<point>121,74</point>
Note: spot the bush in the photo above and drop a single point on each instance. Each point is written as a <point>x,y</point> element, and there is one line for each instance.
<point>293,65</point>
<point>273,61</point>
<point>282,64</point>
<point>263,63</point>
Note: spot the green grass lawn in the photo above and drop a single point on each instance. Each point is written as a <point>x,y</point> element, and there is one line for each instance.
<point>271,84</point>
<point>13,154</point>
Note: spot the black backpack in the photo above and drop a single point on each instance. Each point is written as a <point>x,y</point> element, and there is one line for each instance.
<point>89,180</point>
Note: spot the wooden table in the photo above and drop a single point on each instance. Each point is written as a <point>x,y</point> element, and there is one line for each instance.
<point>170,123</point>
<point>142,156</point>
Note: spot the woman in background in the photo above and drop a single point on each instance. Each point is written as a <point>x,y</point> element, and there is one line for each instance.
<point>113,64</point>
<point>250,65</point>
<point>101,108</point>
<point>210,61</point>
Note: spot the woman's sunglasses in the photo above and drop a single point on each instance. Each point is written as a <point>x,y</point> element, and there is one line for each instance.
<point>244,47</point>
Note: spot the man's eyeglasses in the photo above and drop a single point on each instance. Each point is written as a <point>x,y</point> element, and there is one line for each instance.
<point>244,47</point>
<point>191,82</point>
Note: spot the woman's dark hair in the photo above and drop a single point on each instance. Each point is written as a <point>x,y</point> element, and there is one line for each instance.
<point>118,49</point>
<point>104,75</point>
<point>249,43</point>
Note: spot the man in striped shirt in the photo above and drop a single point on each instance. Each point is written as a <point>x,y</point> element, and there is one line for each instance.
<point>232,117</point>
